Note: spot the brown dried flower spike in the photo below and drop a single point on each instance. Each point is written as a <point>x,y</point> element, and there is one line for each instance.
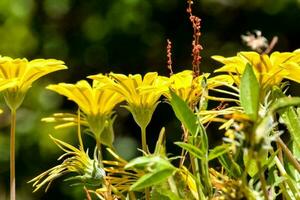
<point>196,22</point>
<point>169,56</point>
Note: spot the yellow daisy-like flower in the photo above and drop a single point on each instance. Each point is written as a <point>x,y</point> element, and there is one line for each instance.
<point>96,103</point>
<point>24,72</point>
<point>186,86</point>
<point>270,70</point>
<point>140,103</point>
<point>190,88</point>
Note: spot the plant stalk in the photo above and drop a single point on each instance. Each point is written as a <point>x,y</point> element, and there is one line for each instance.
<point>100,158</point>
<point>145,149</point>
<point>262,180</point>
<point>144,140</point>
<point>288,154</point>
<point>12,155</point>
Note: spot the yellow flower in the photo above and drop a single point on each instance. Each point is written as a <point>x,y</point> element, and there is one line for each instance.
<point>24,72</point>
<point>6,83</point>
<point>270,70</point>
<point>190,88</point>
<point>96,102</point>
<point>140,103</point>
<point>186,86</point>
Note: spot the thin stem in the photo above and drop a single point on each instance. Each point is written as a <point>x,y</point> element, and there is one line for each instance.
<point>99,153</point>
<point>172,185</point>
<point>262,180</point>
<point>12,155</point>
<point>79,132</point>
<point>145,149</point>
<point>132,196</point>
<point>288,154</point>
<point>196,172</point>
<point>144,139</point>
<point>185,138</point>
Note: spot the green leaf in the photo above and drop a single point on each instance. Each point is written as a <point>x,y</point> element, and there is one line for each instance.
<point>195,151</point>
<point>153,178</point>
<point>160,147</point>
<point>230,165</point>
<point>161,193</point>
<point>184,113</point>
<point>139,163</point>
<point>284,102</point>
<point>107,135</point>
<point>289,116</point>
<point>249,92</point>
<point>218,151</point>
<point>250,161</point>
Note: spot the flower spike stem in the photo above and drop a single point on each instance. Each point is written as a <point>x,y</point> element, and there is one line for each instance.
<point>12,155</point>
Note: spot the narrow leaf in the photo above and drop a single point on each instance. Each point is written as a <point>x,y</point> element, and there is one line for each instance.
<point>218,151</point>
<point>230,165</point>
<point>289,116</point>
<point>162,193</point>
<point>285,102</point>
<point>184,113</point>
<point>249,92</point>
<point>195,151</point>
<point>151,179</point>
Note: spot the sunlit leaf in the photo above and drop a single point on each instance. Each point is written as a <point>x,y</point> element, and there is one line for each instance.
<point>249,92</point>
<point>184,113</point>
<point>195,151</point>
<point>153,178</point>
<point>218,151</point>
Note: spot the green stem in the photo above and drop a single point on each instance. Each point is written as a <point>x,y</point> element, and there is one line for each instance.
<point>173,186</point>
<point>262,180</point>
<point>79,131</point>
<point>12,155</point>
<point>145,149</point>
<point>99,153</point>
<point>196,172</point>
<point>144,140</point>
<point>132,196</point>
<point>288,181</point>
<point>288,154</point>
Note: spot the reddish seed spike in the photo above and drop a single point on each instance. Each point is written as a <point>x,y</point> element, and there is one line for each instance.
<point>196,23</point>
<point>169,56</point>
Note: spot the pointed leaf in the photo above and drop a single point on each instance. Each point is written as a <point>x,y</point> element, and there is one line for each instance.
<point>289,116</point>
<point>249,92</point>
<point>153,178</point>
<point>162,193</point>
<point>184,113</point>
<point>195,151</point>
<point>218,151</point>
<point>230,165</point>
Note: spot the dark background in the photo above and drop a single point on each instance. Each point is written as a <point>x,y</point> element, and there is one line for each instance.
<point>124,36</point>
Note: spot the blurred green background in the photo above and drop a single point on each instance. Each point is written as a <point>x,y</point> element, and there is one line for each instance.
<point>124,36</point>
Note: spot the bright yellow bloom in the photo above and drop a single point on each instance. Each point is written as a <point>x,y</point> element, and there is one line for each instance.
<point>140,103</point>
<point>4,84</point>
<point>190,88</point>
<point>186,86</point>
<point>270,70</point>
<point>24,72</point>
<point>96,102</point>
